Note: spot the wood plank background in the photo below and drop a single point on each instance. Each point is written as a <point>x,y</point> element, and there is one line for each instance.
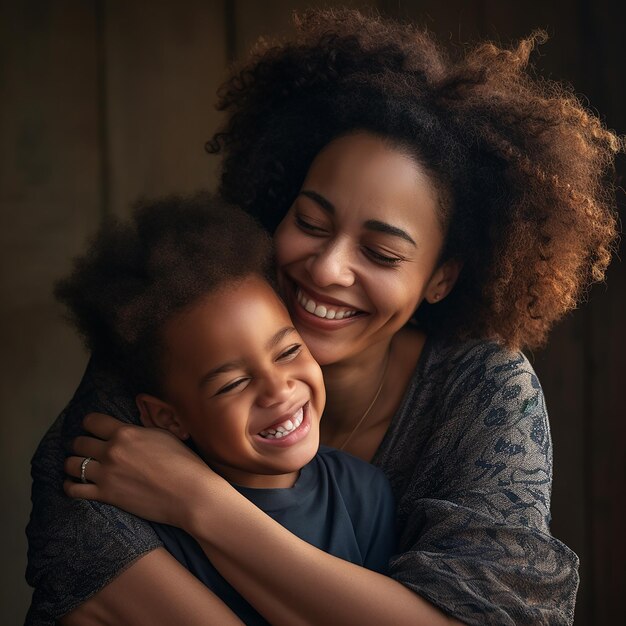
<point>104,101</point>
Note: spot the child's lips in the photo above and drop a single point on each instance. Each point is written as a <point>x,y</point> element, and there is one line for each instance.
<point>288,431</point>
<point>284,426</point>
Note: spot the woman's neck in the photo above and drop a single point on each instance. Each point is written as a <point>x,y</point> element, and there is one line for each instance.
<point>353,384</point>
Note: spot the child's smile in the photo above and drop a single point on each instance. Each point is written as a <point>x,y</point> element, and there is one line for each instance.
<point>239,381</point>
<point>288,431</point>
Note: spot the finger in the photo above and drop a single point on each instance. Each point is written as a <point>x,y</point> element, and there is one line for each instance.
<point>73,465</point>
<point>85,491</point>
<point>89,446</point>
<point>101,425</point>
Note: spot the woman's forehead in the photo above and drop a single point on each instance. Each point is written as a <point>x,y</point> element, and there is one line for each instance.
<point>364,172</point>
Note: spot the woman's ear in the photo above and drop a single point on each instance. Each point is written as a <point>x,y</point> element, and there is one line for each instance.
<point>443,280</point>
<point>155,413</point>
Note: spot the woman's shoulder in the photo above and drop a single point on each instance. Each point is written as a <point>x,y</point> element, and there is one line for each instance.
<point>477,371</point>
<point>483,383</point>
<point>474,412</point>
<point>491,420</point>
<point>459,357</point>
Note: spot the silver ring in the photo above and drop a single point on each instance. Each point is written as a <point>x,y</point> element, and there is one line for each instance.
<point>83,466</point>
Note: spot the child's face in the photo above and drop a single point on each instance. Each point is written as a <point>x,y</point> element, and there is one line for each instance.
<point>236,373</point>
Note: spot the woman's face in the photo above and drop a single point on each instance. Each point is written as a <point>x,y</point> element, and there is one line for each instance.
<point>358,249</point>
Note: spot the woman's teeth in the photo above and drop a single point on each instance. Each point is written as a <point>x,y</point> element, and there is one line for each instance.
<point>320,310</point>
<point>284,428</point>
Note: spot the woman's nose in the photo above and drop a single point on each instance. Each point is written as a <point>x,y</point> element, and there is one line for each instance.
<point>331,265</point>
<point>276,387</point>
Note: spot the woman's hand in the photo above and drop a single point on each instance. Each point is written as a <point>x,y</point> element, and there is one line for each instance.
<point>146,471</point>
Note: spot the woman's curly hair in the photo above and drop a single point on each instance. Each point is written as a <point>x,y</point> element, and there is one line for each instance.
<point>136,275</point>
<point>524,170</point>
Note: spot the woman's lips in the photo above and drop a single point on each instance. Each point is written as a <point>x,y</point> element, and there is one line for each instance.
<point>323,310</point>
<point>318,311</point>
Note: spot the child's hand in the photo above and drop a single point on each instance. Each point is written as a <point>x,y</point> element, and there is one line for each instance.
<point>146,471</point>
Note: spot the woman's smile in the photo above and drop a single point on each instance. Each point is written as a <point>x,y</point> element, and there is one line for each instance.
<point>320,312</point>
<point>323,307</point>
<point>358,248</point>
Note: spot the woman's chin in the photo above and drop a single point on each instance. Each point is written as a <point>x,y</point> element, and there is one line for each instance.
<point>324,351</point>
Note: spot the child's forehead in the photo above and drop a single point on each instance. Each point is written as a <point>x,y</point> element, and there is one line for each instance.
<point>240,294</point>
<point>249,305</point>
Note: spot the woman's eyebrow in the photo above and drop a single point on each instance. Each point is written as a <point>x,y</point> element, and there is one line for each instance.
<point>388,229</point>
<point>376,225</point>
<point>324,203</point>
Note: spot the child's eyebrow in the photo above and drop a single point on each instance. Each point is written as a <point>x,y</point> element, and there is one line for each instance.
<point>233,365</point>
<point>279,336</point>
<point>221,369</point>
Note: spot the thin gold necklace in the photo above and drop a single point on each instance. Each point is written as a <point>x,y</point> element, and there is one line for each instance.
<point>372,403</point>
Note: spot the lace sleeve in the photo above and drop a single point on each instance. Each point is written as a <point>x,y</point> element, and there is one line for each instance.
<point>75,547</point>
<point>475,538</point>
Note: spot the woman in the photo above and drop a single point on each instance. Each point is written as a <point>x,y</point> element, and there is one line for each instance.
<point>432,217</point>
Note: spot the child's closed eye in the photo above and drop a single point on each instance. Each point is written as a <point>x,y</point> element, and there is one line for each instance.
<point>240,383</point>
<point>290,353</point>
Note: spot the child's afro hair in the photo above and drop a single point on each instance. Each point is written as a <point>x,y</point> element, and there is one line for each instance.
<point>137,275</point>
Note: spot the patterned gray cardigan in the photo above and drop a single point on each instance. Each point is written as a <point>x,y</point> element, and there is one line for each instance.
<point>469,458</point>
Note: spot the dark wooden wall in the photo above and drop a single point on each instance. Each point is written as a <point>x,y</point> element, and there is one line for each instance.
<point>107,100</point>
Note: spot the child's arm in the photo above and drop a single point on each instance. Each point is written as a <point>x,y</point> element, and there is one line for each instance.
<point>287,580</point>
<point>292,583</point>
<point>154,590</point>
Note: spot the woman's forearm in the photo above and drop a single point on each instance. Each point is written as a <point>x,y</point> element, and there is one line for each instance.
<point>289,581</point>
<point>154,590</point>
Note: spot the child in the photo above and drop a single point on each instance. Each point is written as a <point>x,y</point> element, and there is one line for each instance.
<point>179,300</point>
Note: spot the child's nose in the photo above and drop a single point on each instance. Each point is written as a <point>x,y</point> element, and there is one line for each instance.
<point>276,387</point>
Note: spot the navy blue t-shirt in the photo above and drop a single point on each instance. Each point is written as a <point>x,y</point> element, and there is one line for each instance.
<point>339,504</point>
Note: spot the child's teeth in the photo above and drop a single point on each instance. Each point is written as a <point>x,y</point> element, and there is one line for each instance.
<point>285,428</point>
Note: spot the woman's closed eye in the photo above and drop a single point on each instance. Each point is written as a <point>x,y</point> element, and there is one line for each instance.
<point>382,259</point>
<point>309,227</point>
